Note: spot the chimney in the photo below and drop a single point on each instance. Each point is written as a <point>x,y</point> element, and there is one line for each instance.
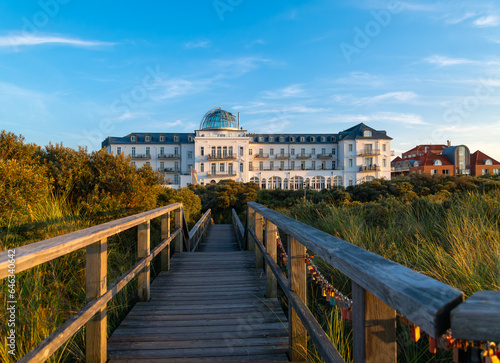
<point>448,142</point>
<point>238,120</point>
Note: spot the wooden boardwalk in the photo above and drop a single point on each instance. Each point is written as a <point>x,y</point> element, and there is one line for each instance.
<point>210,307</point>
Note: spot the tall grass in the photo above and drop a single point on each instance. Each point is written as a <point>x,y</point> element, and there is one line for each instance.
<point>452,238</point>
<point>50,293</point>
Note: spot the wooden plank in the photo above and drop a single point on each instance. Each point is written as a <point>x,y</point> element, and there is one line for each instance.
<point>259,233</point>
<point>380,331</point>
<point>422,300</point>
<point>262,358</point>
<point>165,233</point>
<point>478,318</point>
<point>358,324</point>
<point>178,224</point>
<point>251,226</point>
<point>37,253</point>
<point>143,247</point>
<point>297,279</point>
<point>271,249</point>
<point>95,286</point>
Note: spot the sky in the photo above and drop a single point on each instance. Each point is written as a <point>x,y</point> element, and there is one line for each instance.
<point>76,72</point>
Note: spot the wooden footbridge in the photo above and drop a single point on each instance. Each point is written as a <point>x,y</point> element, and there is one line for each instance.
<point>216,297</point>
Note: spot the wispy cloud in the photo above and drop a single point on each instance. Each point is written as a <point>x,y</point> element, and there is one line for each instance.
<point>460,19</point>
<point>17,40</point>
<point>487,21</point>
<point>240,65</point>
<point>410,119</point>
<point>197,44</point>
<point>447,61</point>
<point>360,78</point>
<point>389,97</point>
<point>176,87</point>
<point>294,90</point>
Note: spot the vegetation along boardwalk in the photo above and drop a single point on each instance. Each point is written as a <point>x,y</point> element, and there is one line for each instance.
<point>210,305</point>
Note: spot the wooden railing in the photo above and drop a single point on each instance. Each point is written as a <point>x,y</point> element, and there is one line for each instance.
<point>239,230</point>
<point>94,239</point>
<point>379,288</point>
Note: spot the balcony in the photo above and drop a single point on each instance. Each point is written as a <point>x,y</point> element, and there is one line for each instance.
<point>169,156</point>
<point>324,156</point>
<point>369,152</point>
<point>303,156</point>
<point>282,156</point>
<point>288,168</point>
<point>220,174</point>
<point>169,170</point>
<point>221,157</point>
<point>261,156</point>
<point>463,171</point>
<point>140,156</point>
<point>368,168</point>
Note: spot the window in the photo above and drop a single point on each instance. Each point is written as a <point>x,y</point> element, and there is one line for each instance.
<point>384,162</point>
<point>190,154</point>
<point>221,167</point>
<point>176,166</point>
<point>162,166</point>
<point>162,138</point>
<point>282,151</point>
<point>271,138</point>
<point>333,151</point>
<point>133,152</point>
<point>250,166</point>
<point>230,151</point>
<point>271,152</point>
<point>132,138</point>
<point>148,138</point>
<point>302,139</point>
<point>313,151</point>
<point>292,165</point>
<point>202,167</point>
<point>302,165</point>
<point>350,147</point>
<point>282,165</point>
<point>313,165</point>
<point>176,138</point>
<point>323,139</point>
<point>190,138</point>
<point>485,171</point>
<point>241,150</point>
<point>213,168</point>
<point>351,183</point>
<point>496,171</point>
<point>434,171</point>
<point>148,151</point>
<point>384,147</point>
<point>261,165</point>
<point>118,150</point>
<point>437,162</point>
<point>176,151</point>
<point>241,167</point>
<point>367,133</point>
<point>261,152</point>
<point>230,168</point>
<point>446,171</point>
<point>302,151</point>
<point>292,151</point>
<point>282,138</point>
<point>350,163</point>
<point>148,164</point>
<point>271,165</point>
<point>488,162</point>
<point>261,138</point>
<point>323,151</point>
<point>202,151</point>
<point>162,151</point>
<point>250,151</point>
<point>333,164</point>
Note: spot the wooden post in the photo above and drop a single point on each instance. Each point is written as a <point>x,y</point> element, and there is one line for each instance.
<point>271,247</point>
<point>143,247</point>
<point>178,224</point>
<point>297,279</point>
<point>259,233</point>
<point>374,328</point>
<point>165,233</point>
<point>95,286</point>
<point>251,224</point>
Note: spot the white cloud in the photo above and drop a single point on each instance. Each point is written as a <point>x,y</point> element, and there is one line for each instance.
<point>487,21</point>
<point>457,20</point>
<point>241,65</point>
<point>172,88</point>
<point>386,97</point>
<point>294,90</point>
<point>401,118</point>
<point>446,61</point>
<point>197,44</point>
<point>28,40</point>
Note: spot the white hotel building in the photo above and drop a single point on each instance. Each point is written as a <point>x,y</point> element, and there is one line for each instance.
<point>220,149</point>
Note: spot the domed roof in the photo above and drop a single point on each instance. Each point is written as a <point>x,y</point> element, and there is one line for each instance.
<point>218,119</point>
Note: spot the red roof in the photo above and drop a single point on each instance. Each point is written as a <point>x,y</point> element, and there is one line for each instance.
<point>428,159</point>
<point>421,149</point>
<point>398,158</point>
<point>479,157</point>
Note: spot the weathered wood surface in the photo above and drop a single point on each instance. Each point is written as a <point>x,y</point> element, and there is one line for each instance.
<point>239,229</point>
<point>478,317</point>
<point>37,253</point>
<point>210,306</point>
<point>422,300</point>
<point>219,238</point>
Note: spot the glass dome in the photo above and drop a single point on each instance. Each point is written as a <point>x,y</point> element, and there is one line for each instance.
<point>218,119</point>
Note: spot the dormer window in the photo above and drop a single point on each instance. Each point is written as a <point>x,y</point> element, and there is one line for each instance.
<point>488,162</point>
<point>438,162</point>
<point>302,139</point>
<point>176,138</point>
<point>261,138</point>
<point>367,133</point>
<point>190,138</point>
<point>416,164</point>
<point>313,139</point>
<point>162,138</point>
<point>323,139</point>
<point>333,138</point>
<point>133,138</point>
<point>271,138</point>
<point>148,138</point>
<point>282,138</point>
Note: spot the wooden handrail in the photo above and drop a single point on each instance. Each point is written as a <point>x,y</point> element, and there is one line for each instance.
<point>95,240</point>
<point>199,230</point>
<point>422,300</point>
<point>239,230</point>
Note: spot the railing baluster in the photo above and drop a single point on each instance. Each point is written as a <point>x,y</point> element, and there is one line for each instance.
<point>95,286</point>
<point>143,247</point>
<point>358,324</point>
<point>271,247</point>
<point>259,233</point>
<point>178,224</point>
<point>165,233</point>
<point>251,224</point>
<point>297,280</point>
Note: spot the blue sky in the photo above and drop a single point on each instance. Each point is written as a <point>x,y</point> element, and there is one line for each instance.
<point>77,71</point>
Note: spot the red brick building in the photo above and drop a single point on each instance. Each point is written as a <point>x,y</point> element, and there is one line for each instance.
<point>482,164</point>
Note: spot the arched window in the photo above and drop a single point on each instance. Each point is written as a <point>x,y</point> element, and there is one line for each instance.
<point>367,178</point>
<point>438,162</point>
<point>254,179</point>
<point>337,181</point>
<point>275,182</point>
<point>318,182</point>
<point>296,182</point>
<point>367,133</point>
<point>263,183</point>
<point>488,162</point>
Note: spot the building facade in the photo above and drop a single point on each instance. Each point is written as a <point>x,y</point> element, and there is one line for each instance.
<point>221,149</point>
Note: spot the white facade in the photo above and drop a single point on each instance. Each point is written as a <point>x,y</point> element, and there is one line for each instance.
<point>284,161</point>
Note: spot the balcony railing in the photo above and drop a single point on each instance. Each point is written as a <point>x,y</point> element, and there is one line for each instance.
<point>303,156</point>
<point>324,156</point>
<point>219,174</point>
<point>221,157</point>
<point>282,156</point>
<point>169,156</point>
<point>369,152</point>
<point>367,168</point>
<point>169,170</point>
<point>288,168</point>
<point>140,156</point>
<point>463,171</point>
<point>261,156</point>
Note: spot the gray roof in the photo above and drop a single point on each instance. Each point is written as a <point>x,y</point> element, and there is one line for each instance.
<point>329,138</point>
<point>155,138</point>
<point>357,132</point>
